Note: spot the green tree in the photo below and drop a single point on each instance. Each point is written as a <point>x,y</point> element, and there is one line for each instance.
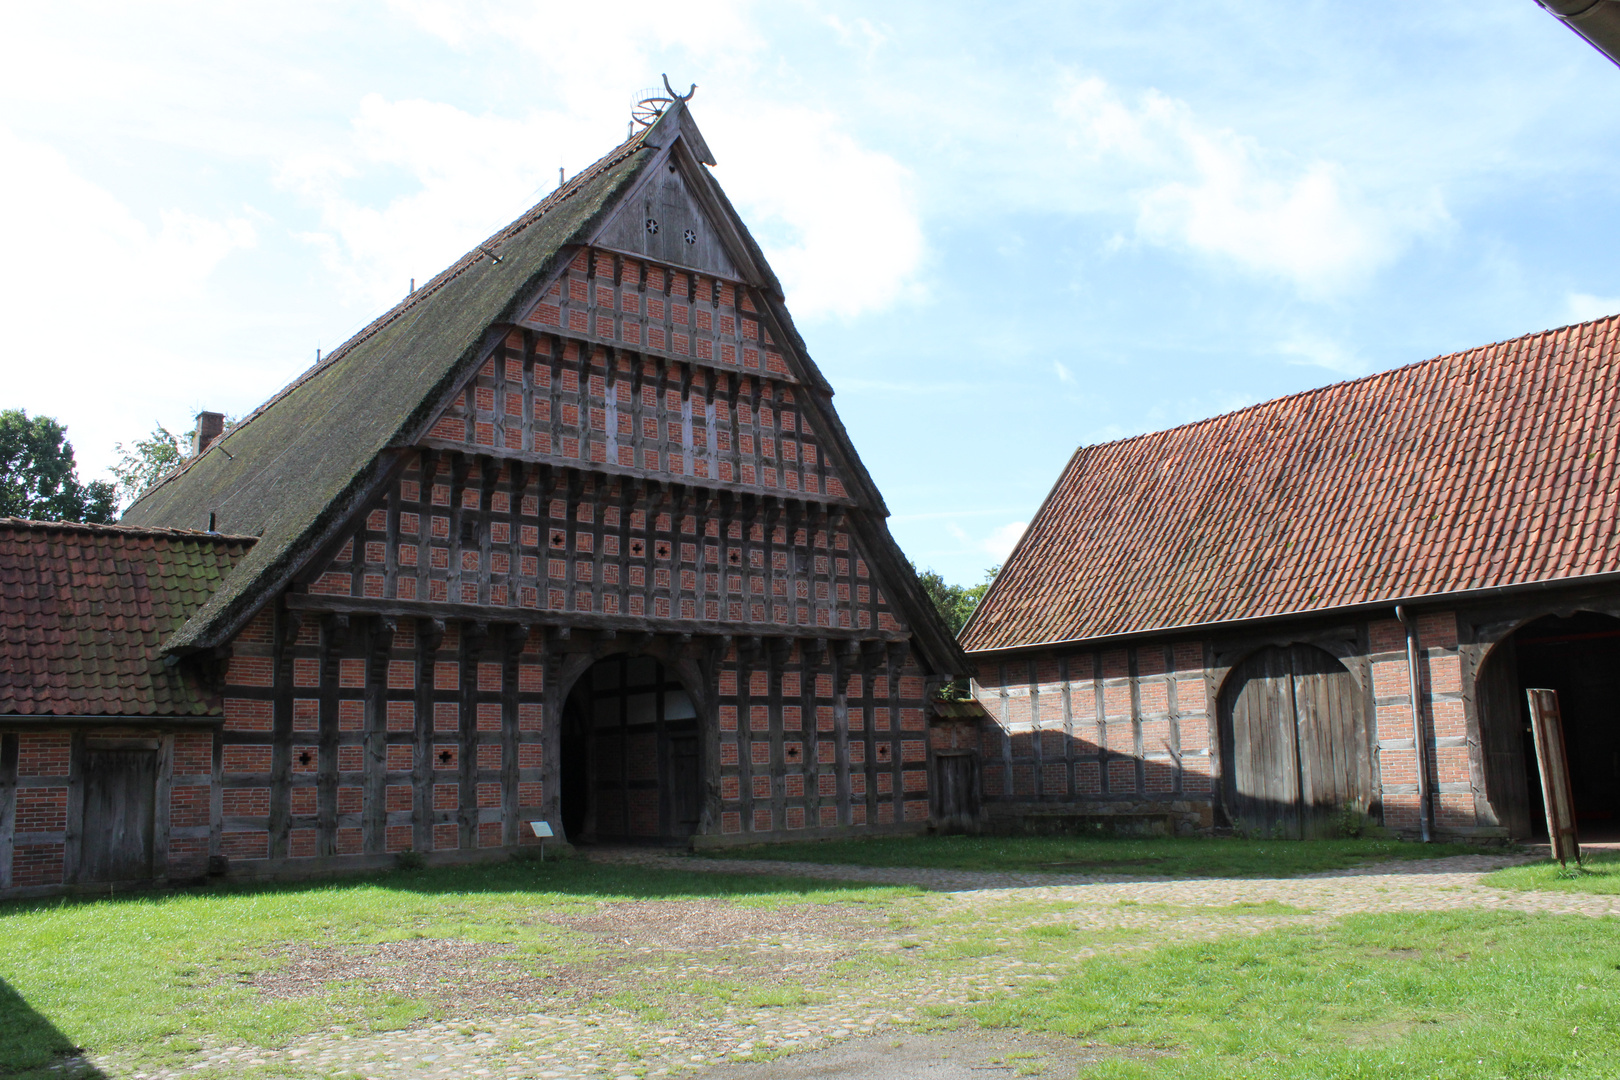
<point>148,461</point>
<point>39,478</point>
<point>954,603</point>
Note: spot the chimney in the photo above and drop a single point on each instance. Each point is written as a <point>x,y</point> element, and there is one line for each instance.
<point>210,426</point>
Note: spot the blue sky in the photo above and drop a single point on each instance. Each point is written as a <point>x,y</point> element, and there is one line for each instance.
<point>1005,231</point>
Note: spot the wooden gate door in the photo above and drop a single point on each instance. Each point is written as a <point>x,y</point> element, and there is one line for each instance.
<point>120,796</point>
<point>958,797</point>
<point>1294,743</point>
<point>685,790</point>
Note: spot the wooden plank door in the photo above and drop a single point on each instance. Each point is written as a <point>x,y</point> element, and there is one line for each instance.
<point>1259,745</point>
<point>1294,743</point>
<point>958,802</point>
<point>1335,760</point>
<point>120,800</point>
<point>1502,734</point>
<point>685,788</point>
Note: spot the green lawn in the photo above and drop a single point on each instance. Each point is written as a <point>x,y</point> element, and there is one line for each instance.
<point>145,982</point>
<point>146,978</point>
<point>1600,874</point>
<point>1151,856</point>
<point>1458,994</point>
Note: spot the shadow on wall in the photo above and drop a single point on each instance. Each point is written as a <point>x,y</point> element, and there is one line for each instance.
<point>28,1042</point>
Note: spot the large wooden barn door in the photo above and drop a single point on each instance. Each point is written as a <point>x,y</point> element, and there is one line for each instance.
<point>631,755</point>
<point>120,797</point>
<point>1294,743</point>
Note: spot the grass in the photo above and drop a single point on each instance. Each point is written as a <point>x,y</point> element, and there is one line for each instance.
<point>148,978</point>
<point>1599,874</point>
<point>1147,856</point>
<point>1452,995</point>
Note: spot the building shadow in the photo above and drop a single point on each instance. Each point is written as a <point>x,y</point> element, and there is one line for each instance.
<point>32,1046</point>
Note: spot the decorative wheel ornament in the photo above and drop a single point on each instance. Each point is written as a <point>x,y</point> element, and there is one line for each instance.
<point>648,105</point>
<point>691,237</point>
<point>652,226</point>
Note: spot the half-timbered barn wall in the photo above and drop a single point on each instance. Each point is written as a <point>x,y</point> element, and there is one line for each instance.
<point>1152,734</point>
<point>367,736</point>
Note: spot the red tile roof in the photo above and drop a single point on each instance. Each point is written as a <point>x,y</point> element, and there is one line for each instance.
<point>84,611</point>
<point>1491,467</point>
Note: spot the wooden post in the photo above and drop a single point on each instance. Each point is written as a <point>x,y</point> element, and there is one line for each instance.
<point>374,763</point>
<point>1547,726</point>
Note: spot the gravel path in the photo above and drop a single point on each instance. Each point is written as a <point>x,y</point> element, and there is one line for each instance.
<point>653,1010</point>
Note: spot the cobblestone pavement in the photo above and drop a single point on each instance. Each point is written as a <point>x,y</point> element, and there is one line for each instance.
<point>798,983</point>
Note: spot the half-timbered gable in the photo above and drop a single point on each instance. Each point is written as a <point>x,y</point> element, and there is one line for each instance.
<point>571,536</point>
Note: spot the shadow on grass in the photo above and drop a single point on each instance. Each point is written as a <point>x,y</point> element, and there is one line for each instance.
<point>1119,858</point>
<point>30,1045</point>
<point>561,878</point>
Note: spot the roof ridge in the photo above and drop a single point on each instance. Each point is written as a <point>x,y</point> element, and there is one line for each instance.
<point>30,525</point>
<point>465,262</point>
<point>1481,468</point>
<point>1370,377</point>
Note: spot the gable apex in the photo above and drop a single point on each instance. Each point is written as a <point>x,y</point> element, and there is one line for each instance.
<point>664,220</point>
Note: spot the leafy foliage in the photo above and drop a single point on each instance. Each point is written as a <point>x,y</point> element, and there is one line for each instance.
<point>955,603</point>
<point>39,478</point>
<point>148,461</point>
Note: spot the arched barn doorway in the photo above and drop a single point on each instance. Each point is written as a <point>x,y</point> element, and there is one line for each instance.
<point>1294,743</point>
<point>630,755</point>
<point>1579,657</point>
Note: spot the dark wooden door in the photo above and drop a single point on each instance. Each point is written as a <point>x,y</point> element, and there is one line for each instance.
<point>958,798</point>
<point>644,773</point>
<point>686,795</point>
<point>120,795</point>
<point>1294,743</point>
<point>1502,735</point>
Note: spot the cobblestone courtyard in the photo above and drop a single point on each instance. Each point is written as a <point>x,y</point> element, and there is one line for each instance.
<point>681,986</point>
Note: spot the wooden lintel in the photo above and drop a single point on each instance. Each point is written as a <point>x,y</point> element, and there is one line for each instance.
<point>561,621</point>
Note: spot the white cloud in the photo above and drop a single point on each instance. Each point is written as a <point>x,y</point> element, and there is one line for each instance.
<point>1584,307</point>
<point>816,195</point>
<point>1212,191</point>
<point>1318,351</point>
<point>469,176</point>
<point>1062,372</point>
<point>819,203</point>
<point>1003,539</point>
<point>90,281</point>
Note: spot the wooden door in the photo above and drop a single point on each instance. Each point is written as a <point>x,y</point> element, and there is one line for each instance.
<point>1502,735</point>
<point>1294,743</point>
<point>958,798</point>
<point>120,797</point>
<point>686,794</point>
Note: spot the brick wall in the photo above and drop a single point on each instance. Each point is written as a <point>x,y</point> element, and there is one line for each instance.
<point>504,540</point>
<point>820,742</point>
<point>1119,731</point>
<point>1132,729</point>
<point>368,741</point>
<point>1443,722</point>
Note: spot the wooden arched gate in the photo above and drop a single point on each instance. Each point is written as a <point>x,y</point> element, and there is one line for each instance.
<point>1294,743</point>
